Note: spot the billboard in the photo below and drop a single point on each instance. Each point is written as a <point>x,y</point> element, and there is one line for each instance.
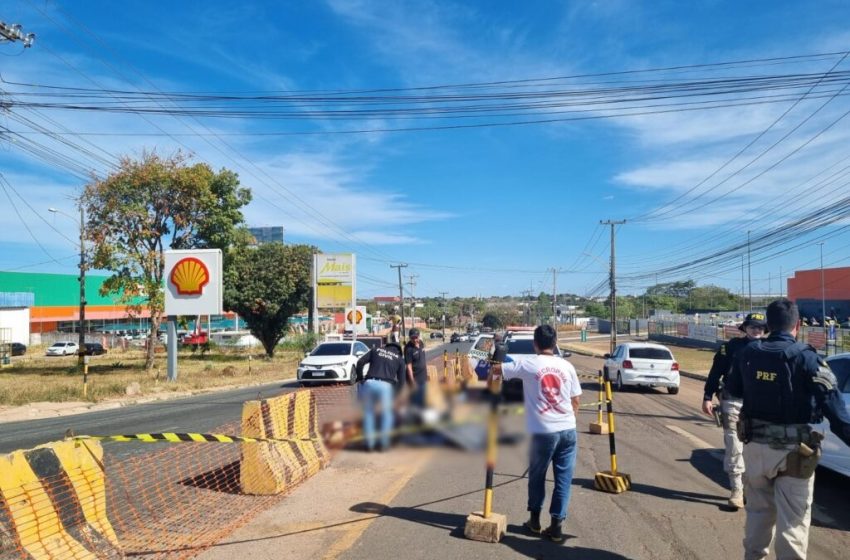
<point>334,280</point>
<point>193,282</point>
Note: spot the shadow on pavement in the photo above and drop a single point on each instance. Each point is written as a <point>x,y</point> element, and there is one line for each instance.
<point>657,491</point>
<point>517,537</point>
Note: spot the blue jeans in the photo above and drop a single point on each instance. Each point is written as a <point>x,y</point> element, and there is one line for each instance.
<point>372,392</point>
<point>560,449</point>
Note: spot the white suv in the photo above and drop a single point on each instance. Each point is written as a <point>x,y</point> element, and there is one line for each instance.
<point>643,364</point>
<point>331,362</point>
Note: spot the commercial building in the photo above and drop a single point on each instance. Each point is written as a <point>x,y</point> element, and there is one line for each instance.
<point>808,288</point>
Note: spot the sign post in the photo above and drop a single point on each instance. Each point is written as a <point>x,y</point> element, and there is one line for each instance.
<point>193,286</point>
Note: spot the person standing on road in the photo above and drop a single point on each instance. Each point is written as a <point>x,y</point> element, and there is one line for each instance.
<point>384,377</point>
<point>551,393</point>
<point>733,460</point>
<point>417,368</point>
<point>785,386</point>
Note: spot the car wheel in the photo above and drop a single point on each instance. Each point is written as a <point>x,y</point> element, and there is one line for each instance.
<point>352,377</point>
<point>673,390</point>
<point>619,382</point>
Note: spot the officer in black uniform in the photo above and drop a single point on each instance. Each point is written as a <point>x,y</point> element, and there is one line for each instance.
<point>383,378</point>
<point>785,387</point>
<point>754,326</point>
<point>417,368</point>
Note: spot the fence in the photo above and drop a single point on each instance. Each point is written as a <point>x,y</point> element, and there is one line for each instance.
<point>124,497</point>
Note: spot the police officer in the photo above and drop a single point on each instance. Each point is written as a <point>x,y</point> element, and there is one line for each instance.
<point>384,377</point>
<point>733,460</point>
<point>785,387</point>
<point>417,368</point>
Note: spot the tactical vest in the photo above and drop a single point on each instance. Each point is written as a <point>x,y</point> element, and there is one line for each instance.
<point>774,391</point>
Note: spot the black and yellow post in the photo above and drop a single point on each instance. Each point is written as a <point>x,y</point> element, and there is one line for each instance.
<point>599,427</point>
<point>486,525</point>
<point>85,373</point>
<point>611,481</point>
<point>445,366</point>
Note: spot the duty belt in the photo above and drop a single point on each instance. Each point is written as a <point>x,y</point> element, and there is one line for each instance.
<point>780,434</point>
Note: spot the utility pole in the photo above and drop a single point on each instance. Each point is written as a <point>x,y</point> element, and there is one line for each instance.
<point>412,282</point>
<point>613,281</point>
<point>781,287</point>
<point>526,297</point>
<point>443,297</point>
<point>749,271</point>
<point>742,282</point>
<point>555,299</point>
<point>400,297</point>
<point>81,278</point>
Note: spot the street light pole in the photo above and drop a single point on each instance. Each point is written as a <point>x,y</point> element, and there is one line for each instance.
<point>81,278</point>
<point>822,293</point>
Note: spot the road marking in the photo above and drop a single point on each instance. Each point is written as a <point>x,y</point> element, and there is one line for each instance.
<point>700,443</point>
<point>348,539</point>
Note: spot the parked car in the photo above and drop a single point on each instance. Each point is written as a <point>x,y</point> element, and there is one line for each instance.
<point>94,349</point>
<point>436,334</point>
<point>331,362</point>
<point>836,454</point>
<point>520,344</point>
<point>643,364</point>
<point>64,348</point>
<point>18,349</point>
<point>455,337</point>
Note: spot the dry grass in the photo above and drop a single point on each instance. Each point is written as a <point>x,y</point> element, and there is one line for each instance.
<point>37,378</point>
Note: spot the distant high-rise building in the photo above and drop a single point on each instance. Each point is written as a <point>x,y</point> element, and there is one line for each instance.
<point>267,234</point>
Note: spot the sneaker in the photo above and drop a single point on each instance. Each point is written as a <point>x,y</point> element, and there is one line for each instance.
<point>554,532</point>
<point>736,498</point>
<point>533,523</point>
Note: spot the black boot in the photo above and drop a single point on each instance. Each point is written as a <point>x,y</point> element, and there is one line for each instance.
<point>554,532</point>
<point>533,523</point>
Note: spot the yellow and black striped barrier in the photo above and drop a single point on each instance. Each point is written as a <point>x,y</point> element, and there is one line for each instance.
<point>177,437</point>
<point>611,481</point>
<point>599,427</point>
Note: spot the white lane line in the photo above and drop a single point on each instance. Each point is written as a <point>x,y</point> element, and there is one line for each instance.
<point>700,443</point>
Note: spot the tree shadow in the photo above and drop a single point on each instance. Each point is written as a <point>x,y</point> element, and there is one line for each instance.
<point>221,479</point>
<point>659,492</point>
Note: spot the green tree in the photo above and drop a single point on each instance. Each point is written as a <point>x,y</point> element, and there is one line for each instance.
<point>266,285</point>
<point>492,321</point>
<point>150,205</point>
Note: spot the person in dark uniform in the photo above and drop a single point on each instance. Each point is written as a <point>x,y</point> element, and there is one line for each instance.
<point>384,377</point>
<point>417,368</point>
<point>754,326</point>
<point>785,387</point>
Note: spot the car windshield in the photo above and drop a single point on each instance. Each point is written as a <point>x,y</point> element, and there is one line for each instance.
<point>650,354</point>
<point>521,346</point>
<point>58,345</point>
<point>841,369</point>
<point>332,349</point>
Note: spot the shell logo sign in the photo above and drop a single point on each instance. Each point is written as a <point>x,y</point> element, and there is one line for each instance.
<point>189,276</point>
<point>350,316</point>
<point>193,282</point>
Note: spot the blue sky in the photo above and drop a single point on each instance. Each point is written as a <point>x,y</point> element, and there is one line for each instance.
<point>475,211</point>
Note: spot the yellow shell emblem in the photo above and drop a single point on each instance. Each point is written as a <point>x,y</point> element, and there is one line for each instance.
<point>189,276</point>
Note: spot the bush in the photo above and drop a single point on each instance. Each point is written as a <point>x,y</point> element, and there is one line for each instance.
<point>300,342</point>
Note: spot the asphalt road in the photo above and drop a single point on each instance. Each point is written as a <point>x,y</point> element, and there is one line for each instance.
<point>675,510</point>
<point>198,413</point>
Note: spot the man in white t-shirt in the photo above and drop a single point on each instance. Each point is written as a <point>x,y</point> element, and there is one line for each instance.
<point>551,391</point>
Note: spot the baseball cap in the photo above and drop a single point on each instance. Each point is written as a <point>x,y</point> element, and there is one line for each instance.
<point>414,332</point>
<point>754,320</point>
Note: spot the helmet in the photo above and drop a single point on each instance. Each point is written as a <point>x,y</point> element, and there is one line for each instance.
<point>754,320</point>
<point>413,332</point>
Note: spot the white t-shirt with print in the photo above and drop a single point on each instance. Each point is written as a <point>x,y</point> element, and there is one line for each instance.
<point>548,384</point>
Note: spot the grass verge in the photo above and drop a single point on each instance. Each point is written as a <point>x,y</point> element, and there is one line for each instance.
<point>37,378</point>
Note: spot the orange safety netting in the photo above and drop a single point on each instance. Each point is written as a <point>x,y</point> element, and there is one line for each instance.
<point>114,499</point>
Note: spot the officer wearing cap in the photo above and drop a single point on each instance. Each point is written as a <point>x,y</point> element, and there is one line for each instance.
<point>754,326</point>
<point>417,367</point>
<point>785,387</point>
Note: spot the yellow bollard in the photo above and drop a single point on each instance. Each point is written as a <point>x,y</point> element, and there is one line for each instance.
<point>599,427</point>
<point>611,481</point>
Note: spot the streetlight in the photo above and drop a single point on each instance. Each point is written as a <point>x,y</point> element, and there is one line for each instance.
<point>822,293</point>
<point>81,278</point>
